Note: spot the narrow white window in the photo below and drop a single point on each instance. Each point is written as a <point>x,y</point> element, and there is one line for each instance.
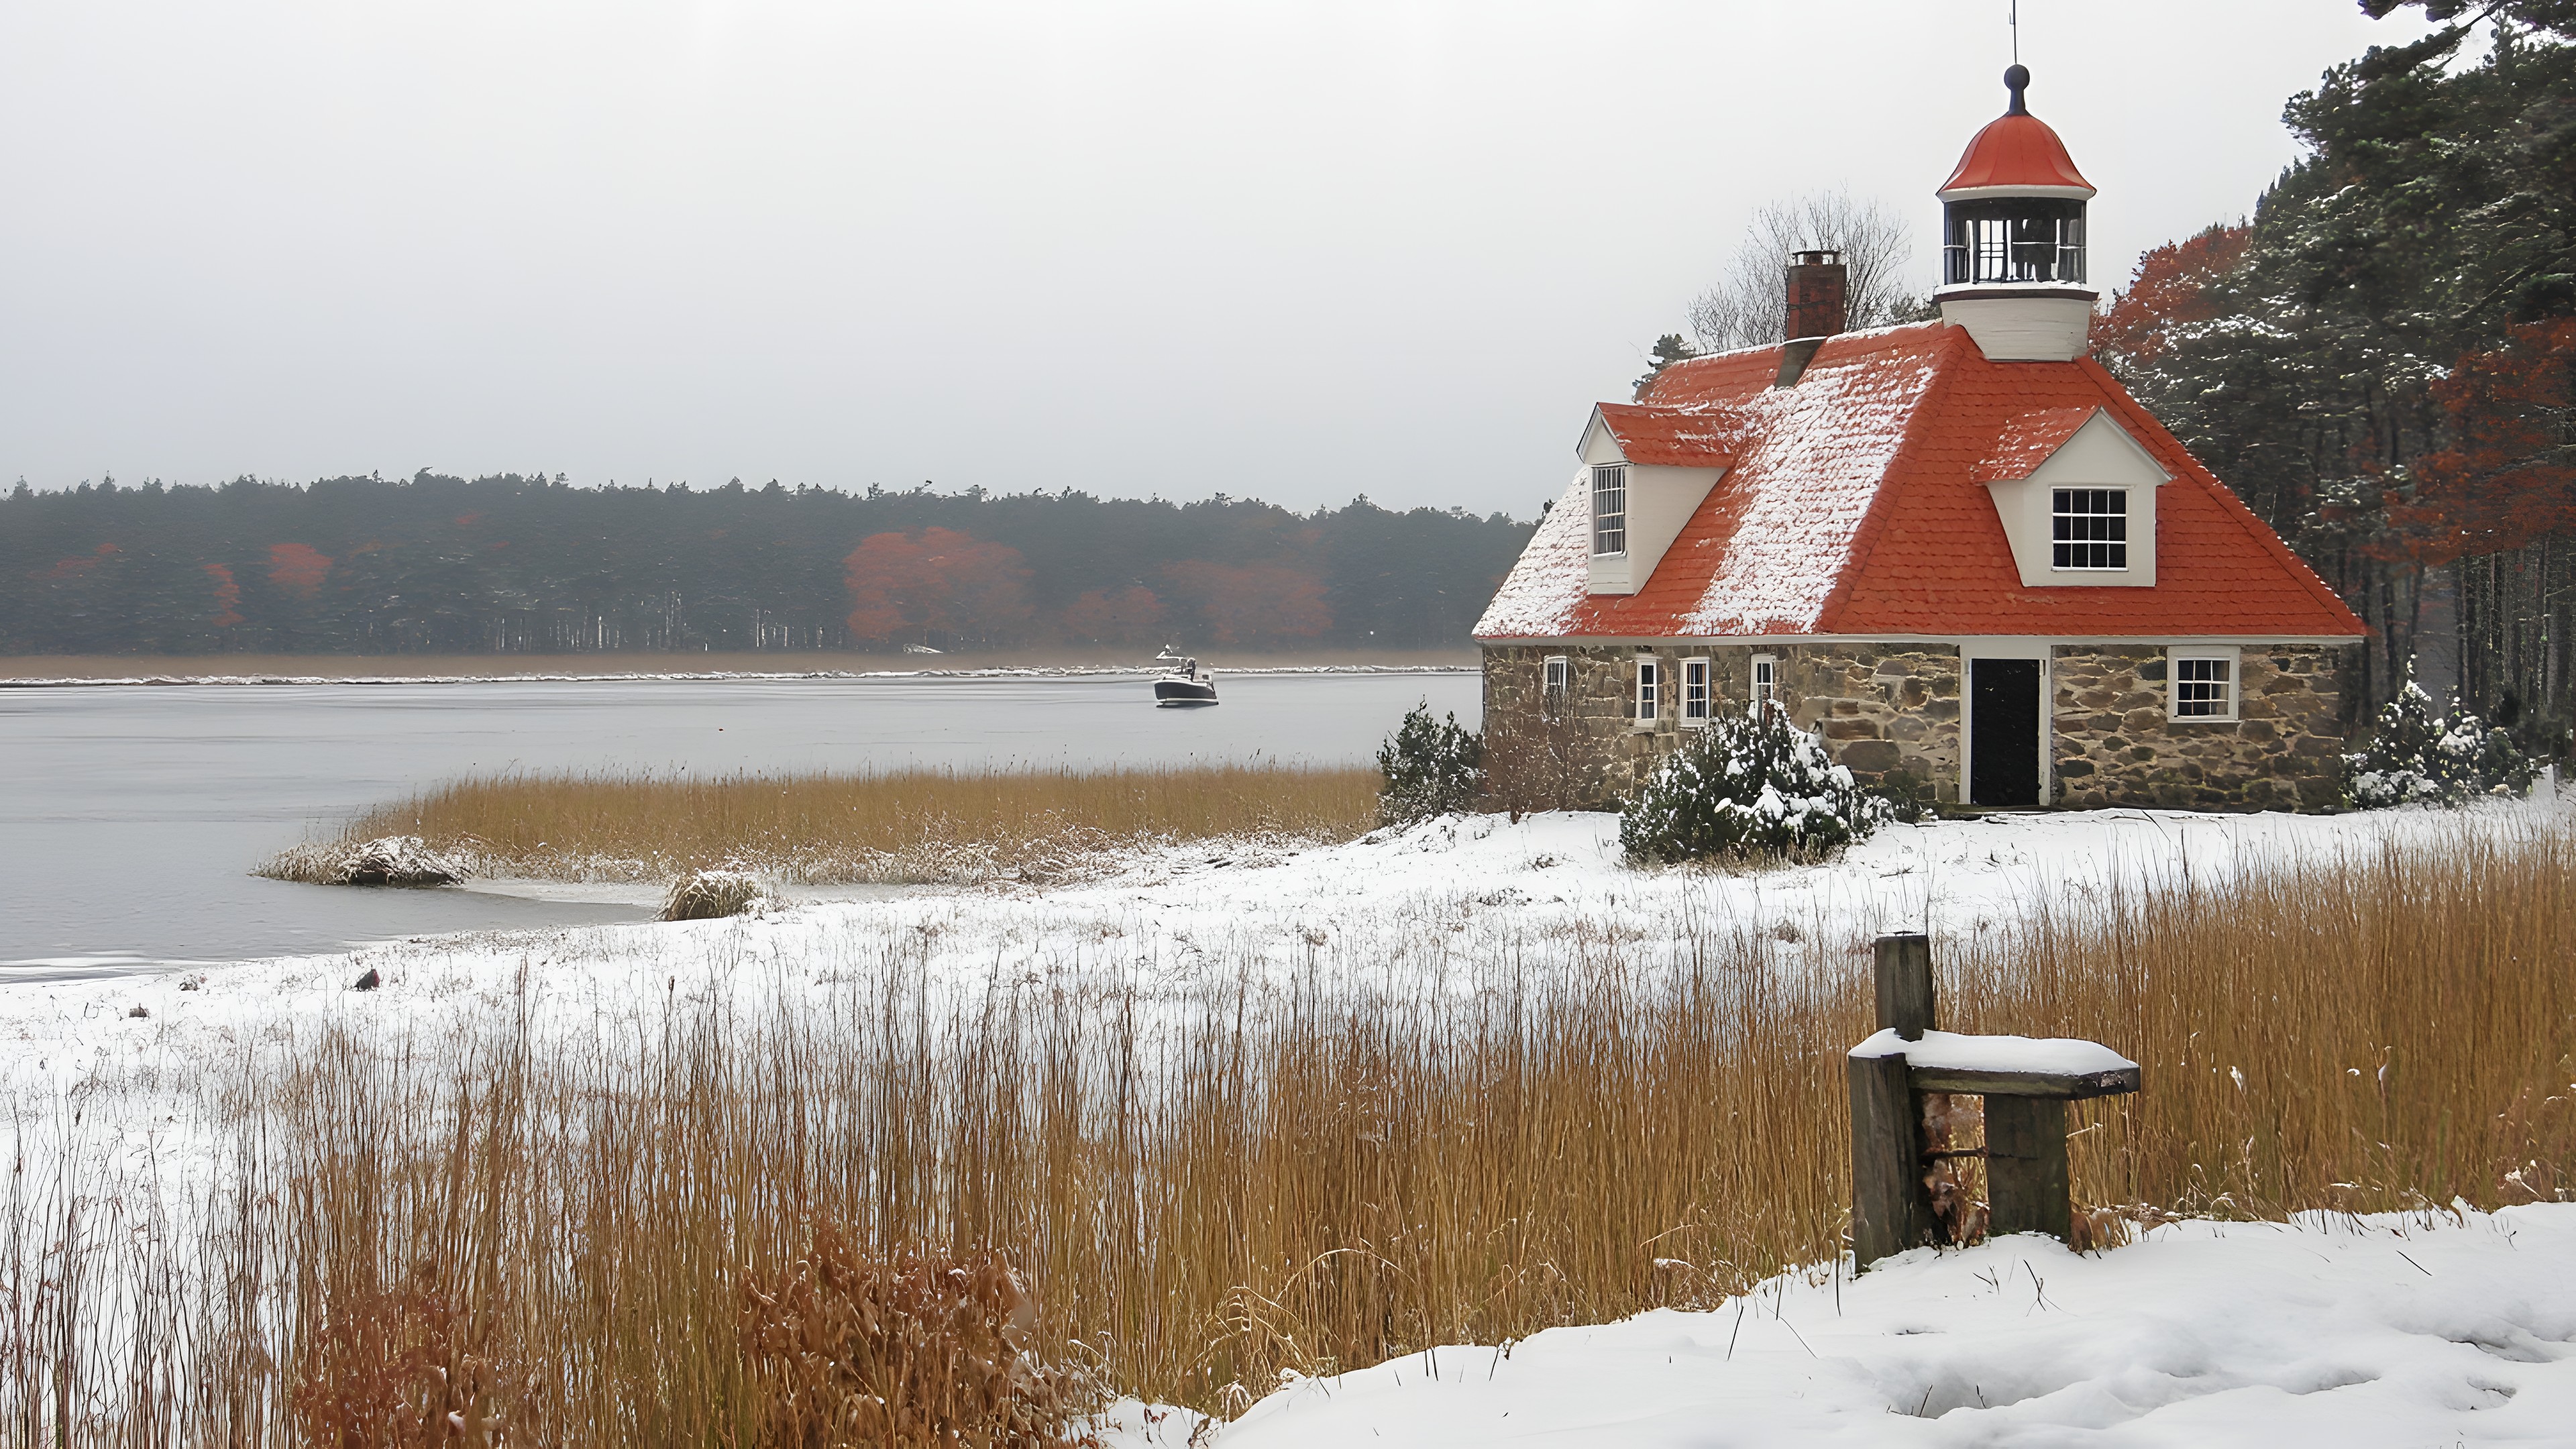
<point>2201,683</point>
<point>1557,678</point>
<point>2088,528</point>
<point>1695,692</point>
<point>1650,690</point>
<point>1766,680</point>
<point>1609,508</point>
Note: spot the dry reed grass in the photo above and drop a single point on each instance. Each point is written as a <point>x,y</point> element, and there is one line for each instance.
<point>903,826</point>
<point>849,1348</point>
<point>1203,1192</point>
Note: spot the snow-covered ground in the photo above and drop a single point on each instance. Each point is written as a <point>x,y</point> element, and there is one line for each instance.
<point>2391,1331</point>
<point>2314,1332</point>
<point>1439,901</point>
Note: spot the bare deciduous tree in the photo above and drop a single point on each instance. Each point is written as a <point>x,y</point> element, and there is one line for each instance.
<point>1747,307</point>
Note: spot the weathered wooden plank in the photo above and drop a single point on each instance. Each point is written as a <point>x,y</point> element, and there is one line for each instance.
<point>1905,984</point>
<point>2026,1178</point>
<point>2026,1084</point>
<point>1891,1211</point>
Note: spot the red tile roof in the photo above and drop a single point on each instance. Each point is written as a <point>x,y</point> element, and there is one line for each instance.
<point>1854,508</point>
<point>1685,437</point>
<point>2017,151</point>
<point>2028,440</point>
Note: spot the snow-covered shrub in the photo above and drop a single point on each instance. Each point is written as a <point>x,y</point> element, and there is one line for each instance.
<point>1752,784</point>
<point>398,860</point>
<point>704,895</point>
<point>1431,768</point>
<point>395,860</point>
<point>2416,755</point>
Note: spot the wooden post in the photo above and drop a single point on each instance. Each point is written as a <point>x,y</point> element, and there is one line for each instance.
<point>2026,1179</point>
<point>1891,1208</point>
<point>1905,984</point>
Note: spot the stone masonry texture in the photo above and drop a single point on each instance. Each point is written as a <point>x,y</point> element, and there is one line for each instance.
<point>1889,712</point>
<point>2114,744</point>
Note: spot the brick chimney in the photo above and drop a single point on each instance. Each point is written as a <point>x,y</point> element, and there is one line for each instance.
<point>1816,284</point>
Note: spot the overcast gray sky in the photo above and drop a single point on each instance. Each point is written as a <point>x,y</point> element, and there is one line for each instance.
<point>1294,251</point>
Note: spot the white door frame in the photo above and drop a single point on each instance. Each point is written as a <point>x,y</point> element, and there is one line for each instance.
<point>1971,650</point>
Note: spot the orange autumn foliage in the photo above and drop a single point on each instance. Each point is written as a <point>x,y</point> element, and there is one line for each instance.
<point>2509,475</point>
<point>935,582</point>
<point>297,568</point>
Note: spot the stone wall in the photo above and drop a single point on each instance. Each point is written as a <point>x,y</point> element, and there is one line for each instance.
<point>1890,713</point>
<point>2114,744</point>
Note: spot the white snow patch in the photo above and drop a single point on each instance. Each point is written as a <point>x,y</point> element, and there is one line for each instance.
<point>2441,1329</point>
<point>1964,1052</point>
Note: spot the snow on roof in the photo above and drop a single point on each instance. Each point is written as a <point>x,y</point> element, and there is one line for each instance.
<point>1962,1052</point>
<point>1682,437</point>
<point>1854,507</point>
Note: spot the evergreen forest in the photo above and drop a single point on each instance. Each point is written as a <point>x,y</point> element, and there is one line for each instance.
<point>435,564</point>
<point>2381,358</point>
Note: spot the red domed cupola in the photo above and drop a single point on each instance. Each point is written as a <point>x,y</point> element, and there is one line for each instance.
<point>2016,155</point>
<point>2012,255</point>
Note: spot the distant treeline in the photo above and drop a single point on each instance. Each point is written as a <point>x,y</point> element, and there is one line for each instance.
<point>435,564</point>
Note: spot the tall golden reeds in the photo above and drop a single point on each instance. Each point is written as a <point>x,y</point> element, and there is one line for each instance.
<point>907,825</point>
<point>1203,1186</point>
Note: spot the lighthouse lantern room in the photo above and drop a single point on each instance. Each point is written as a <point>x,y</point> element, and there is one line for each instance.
<point>2012,258</point>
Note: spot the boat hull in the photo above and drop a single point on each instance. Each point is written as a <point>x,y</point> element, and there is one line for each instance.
<point>1183,692</point>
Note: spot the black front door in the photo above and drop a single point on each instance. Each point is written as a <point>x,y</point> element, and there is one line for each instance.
<point>2003,722</point>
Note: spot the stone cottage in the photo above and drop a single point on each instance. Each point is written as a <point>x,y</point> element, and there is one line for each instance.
<point>1958,549</point>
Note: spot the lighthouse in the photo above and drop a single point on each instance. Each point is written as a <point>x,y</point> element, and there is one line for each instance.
<point>2012,255</point>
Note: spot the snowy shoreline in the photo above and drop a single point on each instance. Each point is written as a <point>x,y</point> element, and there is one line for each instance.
<point>1291,909</point>
<point>2426,1326</point>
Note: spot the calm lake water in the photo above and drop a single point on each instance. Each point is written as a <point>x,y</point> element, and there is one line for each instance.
<point>130,816</point>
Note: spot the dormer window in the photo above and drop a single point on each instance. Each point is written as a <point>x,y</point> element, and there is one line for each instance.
<point>2088,528</point>
<point>1609,508</point>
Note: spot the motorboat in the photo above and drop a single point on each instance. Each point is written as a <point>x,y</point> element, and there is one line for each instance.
<point>1183,685</point>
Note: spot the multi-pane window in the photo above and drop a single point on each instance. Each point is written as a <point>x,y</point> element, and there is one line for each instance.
<point>1558,676</point>
<point>2088,528</point>
<point>1766,680</point>
<point>1695,692</point>
<point>1650,690</point>
<point>2204,687</point>
<point>1609,508</point>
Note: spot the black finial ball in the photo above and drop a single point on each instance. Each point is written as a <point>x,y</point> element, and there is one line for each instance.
<point>2017,80</point>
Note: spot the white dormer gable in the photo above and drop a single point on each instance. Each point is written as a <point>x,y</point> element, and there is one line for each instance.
<point>1657,499</point>
<point>2077,496</point>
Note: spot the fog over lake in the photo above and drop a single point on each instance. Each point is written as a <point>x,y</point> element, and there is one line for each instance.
<point>130,816</point>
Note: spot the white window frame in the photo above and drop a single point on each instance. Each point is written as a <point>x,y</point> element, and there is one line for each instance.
<point>2118,547</point>
<point>1765,679</point>
<point>1556,684</point>
<point>1699,696</point>
<point>1609,526</point>
<point>1649,699</point>
<point>2233,656</point>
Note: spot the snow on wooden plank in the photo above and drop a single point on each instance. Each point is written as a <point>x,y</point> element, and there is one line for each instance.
<point>1947,1061</point>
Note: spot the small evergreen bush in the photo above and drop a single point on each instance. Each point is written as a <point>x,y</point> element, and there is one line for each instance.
<point>1748,785</point>
<point>2419,756</point>
<point>1431,768</point>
